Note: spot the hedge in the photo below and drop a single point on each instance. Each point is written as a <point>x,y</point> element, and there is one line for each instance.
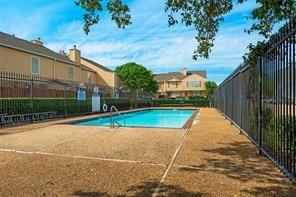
<point>125,103</point>
<point>23,106</point>
<point>72,106</point>
<point>63,107</point>
<point>167,102</point>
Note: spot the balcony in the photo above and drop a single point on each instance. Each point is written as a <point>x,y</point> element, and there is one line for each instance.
<point>184,88</point>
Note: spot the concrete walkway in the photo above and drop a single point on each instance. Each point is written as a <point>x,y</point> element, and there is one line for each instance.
<point>211,159</point>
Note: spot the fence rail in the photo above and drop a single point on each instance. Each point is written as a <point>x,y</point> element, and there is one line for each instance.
<point>260,100</point>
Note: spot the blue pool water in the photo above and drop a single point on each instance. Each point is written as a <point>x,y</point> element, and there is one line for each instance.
<point>145,118</point>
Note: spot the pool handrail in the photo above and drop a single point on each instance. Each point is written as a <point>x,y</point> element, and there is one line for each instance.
<point>111,117</point>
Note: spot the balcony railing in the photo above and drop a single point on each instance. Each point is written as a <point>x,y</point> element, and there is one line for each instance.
<point>182,88</point>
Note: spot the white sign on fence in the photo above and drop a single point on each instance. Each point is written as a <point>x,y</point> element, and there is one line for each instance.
<point>96,90</point>
<point>96,103</point>
<point>81,95</point>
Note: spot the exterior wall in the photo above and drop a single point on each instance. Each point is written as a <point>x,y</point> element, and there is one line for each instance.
<point>195,78</point>
<point>61,71</point>
<point>16,61</point>
<point>104,78</point>
<point>84,75</point>
<point>161,86</point>
<point>117,82</point>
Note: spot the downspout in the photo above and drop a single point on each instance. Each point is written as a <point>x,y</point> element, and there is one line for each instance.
<point>54,68</point>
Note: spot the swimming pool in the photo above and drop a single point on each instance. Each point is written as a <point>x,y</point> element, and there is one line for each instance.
<point>160,118</point>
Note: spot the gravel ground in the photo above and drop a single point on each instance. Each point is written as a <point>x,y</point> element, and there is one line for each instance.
<point>147,145</point>
<point>56,176</point>
<point>7,156</point>
<point>216,160</point>
<point>42,138</point>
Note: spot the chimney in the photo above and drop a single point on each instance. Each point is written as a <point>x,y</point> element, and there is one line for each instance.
<point>75,55</point>
<point>184,71</point>
<point>62,52</point>
<point>37,42</point>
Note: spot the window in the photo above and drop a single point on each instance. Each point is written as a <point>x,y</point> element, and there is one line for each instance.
<point>35,65</point>
<point>193,84</point>
<point>88,77</point>
<point>175,94</point>
<point>172,84</point>
<point>70,73</point>
<point>196,94</point>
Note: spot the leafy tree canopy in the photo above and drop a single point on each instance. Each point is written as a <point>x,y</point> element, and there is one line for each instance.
<point>204,15</point>
<point>120,12</point>
<point>211,86</point>
<point>136,77</point>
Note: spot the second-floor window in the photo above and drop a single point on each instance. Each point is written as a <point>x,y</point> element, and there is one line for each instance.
<point>172,85</point>
<point>193,84</point>
<point>70,73</point>
<point>35,65</point>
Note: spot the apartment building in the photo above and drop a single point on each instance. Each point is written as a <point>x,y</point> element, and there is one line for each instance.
<point>33,58</point>
<point>181,84</point>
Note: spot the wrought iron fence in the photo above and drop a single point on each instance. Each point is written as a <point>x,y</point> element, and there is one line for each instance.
<point>260,100</point>
<point>26,98</point>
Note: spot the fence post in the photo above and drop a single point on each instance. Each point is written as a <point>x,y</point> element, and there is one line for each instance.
<point>1,95</point>
<point>32,98</point>
<point>65,102</point>
<point>260,104</point>
<point>241,99</point>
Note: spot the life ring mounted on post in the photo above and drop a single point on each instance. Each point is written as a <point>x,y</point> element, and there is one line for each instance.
<point>105,107</point>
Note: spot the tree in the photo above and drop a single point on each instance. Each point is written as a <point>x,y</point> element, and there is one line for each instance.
<point>211,86</point>
<point>204,15</point>
<point>270,13</point>
<point>136,77</point>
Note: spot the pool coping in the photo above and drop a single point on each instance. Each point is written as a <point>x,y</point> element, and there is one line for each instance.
<point>190,121</point>
<point>186,125</point>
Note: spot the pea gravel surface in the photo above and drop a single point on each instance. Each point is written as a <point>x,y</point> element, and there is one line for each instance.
<point>212,159</point>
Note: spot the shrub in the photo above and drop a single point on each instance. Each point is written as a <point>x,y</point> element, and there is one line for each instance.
<point>281,133</point>
<point>196,103</point>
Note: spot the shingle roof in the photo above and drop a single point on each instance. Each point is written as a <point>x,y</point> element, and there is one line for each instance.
<point>178,75</point>
<point>97,64</point>
<point>9,40</point>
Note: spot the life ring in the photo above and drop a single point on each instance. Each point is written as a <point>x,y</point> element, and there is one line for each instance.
<point>105,107</point>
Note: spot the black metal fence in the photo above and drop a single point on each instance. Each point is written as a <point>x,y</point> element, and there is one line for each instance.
<point>26,98</point>
<point>260,100</point>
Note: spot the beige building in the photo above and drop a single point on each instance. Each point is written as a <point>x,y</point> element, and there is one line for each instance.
<point>105,76</point>
<point>181,84</point>
<point>33,58</point>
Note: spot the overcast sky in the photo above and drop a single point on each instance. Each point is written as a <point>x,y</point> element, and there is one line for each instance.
<point>148,41</point>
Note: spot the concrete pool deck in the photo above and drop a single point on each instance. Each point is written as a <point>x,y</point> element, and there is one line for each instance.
<point>54,159</point>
